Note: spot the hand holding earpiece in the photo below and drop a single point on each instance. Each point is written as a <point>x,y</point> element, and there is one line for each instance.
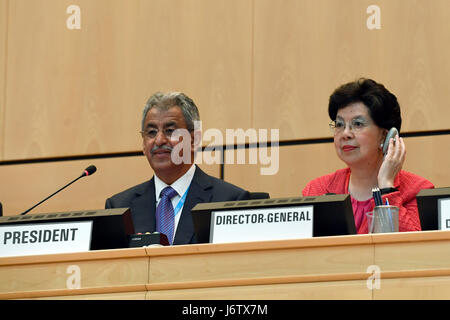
<point>392,162</point>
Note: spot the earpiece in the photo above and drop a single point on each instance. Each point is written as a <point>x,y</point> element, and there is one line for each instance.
<point>391,134</point>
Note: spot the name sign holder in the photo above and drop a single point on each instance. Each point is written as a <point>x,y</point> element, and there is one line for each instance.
<point>444,213</point>
<point>45,238</point>
<point>273,219</point>
<point>260,224</point>
<point>62,232</point>
<point>433,208</point>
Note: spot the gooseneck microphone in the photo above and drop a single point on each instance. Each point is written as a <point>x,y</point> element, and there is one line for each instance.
<point>87,172</point>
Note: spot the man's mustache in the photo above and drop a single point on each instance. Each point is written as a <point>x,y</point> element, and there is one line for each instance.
<point>158,148</point>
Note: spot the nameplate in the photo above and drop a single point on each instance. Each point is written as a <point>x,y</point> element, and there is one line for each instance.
<point>45,238</point>
<point>261,224</point>
<point>444,213</point>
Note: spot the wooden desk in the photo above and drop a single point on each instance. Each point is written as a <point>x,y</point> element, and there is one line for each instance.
<point>412,265</point>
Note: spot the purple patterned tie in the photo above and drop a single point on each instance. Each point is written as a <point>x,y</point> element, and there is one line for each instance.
<point>165,216</point>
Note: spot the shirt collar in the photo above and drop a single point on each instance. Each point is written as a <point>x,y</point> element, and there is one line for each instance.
<point>180,185</point>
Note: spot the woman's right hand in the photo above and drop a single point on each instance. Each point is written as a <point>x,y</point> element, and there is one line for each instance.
<point>392,163</point>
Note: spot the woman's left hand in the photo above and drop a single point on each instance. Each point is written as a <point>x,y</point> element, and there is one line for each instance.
<point>392,163</point>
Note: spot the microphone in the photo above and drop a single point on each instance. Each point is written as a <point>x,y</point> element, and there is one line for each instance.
<point>87,172</point>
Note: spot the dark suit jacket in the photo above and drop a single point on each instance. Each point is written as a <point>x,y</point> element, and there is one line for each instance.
<point>142,202</point>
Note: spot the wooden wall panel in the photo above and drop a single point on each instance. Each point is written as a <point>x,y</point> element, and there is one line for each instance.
<point>25,185</point>
<point>243,268</point>
<point>304,49</point>
<point>105,296</point>
<point>82,91</point>
<point>3,68</point>
<point>355,290</point>
<point>429,157</point>
<point>414,288</point>
<point>426,156</point>
<point>53,276</point>
<point>297,166</point>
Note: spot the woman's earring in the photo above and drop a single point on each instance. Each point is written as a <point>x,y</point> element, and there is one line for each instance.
<point>381,146</point>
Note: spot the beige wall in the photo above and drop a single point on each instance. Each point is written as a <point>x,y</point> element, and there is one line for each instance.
<point>3,46</point>
<point>82,91</point>
<point>246,63</point>
<point>304,49</point>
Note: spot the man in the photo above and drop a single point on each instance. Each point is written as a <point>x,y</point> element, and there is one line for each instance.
<point>167,132</point>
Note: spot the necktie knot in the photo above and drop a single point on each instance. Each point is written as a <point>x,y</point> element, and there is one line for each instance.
<point>168,192</point>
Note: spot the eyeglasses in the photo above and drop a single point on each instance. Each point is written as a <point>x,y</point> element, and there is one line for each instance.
<point>356,125</point>
<point>151,133</point>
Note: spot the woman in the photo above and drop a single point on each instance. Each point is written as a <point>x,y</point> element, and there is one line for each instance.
<point>362,112</point>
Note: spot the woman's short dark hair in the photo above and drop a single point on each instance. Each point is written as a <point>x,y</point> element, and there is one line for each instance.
<point>382,104</point>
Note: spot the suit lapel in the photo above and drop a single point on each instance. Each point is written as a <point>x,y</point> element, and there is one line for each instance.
<point>143,209</point>
<point>200,191</point>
